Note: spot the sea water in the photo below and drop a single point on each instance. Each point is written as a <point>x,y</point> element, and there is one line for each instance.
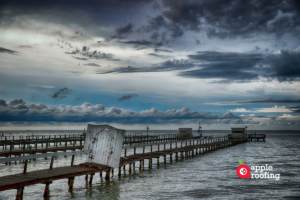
<point>207,176</point>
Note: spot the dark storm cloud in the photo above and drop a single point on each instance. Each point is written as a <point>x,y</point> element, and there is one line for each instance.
<point>259,101</point>
<point>143,43</point>
<point>229,66</point>
<point>217,19</point>
<point>235,66</point>
<point>2,103</point>
<point>92,64</point>
<point>124,31</point>
<point>246,66</point>
<point>295,109</point>
<point>159,23</point>
<point>229,18</point>
<point>162,50</point>
<point>61,93</point>
<point>25,46</point>
<point>87,14</point>
<point>158,55</point>
<point>18,111</point>
<point>85,51</point>
<point>78,58</point>
<point>3,50</point>
<point>284,66</point>
<point>169,65</point>
<point>197,41</point>
<point>127,97</point>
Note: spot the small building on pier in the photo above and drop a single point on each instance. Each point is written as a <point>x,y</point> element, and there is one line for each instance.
<point>104,144</point>
<point>185,132</point>
<point>238,132</point>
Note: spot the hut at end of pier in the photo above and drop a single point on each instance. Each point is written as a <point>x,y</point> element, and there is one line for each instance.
<point>238,132</point>
<point>185,132</point>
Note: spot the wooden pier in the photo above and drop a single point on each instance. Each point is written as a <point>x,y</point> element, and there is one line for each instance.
<point>19,152</point>
<point>256,137</point>
<point>179,148</point>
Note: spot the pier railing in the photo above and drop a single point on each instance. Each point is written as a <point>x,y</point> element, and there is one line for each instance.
<point>184,147</point>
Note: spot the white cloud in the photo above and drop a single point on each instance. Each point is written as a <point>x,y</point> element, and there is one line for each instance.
<point>239,110</point>
<point>275,109</point>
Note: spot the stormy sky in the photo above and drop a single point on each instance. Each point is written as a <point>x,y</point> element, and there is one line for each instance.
<point>162,63</point>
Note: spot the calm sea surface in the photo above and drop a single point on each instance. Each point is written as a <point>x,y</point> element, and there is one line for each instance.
<point>207,176</point>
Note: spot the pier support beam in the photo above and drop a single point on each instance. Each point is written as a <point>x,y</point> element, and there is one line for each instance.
<point>19,195</point>
<point>150,162</point>
<point>71,182</point>
<point>47,189</point>
<point>91,179</point>
<point>107,175</point>
<point>129,168</point>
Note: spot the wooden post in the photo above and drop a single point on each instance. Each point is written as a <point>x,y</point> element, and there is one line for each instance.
<point>143,149</point>
<point>134,150</point>
<point>51,163</point>
<point>71,182</point>
<point>119,171</point>
<point>91,179</point>
<point>140,166</point>
<point>125,152</point>
<point>72,161</point>
<point>25,167</point>
<point>165,160</point>
<point>129,168</point>
<point>19,195</point>
<point>47,190</point>
<point>171,157</point>
<point>107,175</point>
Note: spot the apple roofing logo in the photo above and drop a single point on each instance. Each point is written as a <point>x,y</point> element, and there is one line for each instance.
<point>243,171</point>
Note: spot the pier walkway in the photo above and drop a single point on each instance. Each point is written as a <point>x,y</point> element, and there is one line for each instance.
<point>183,148</point>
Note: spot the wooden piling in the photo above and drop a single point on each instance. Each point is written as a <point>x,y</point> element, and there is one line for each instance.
<point>47,189</point>
<point>107,175</point>
<point>91,178</point>
<point>19,195</point>
<point>71,182</point>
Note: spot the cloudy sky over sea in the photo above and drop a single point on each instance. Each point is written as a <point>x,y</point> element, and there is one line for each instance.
<point>166,64</point>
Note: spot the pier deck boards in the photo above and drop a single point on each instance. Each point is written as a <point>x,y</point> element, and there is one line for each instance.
<point>47,175</point>
<point>137,157</point>
<point>19,152</point>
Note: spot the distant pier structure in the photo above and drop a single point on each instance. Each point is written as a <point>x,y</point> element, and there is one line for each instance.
<point>186,132</point>
<point>238,132</point>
